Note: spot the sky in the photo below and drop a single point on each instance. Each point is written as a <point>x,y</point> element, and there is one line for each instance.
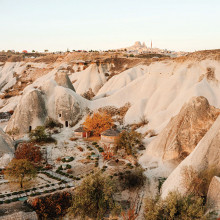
<point>181,25</point>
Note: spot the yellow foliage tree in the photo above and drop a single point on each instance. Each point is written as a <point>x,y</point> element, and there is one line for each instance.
<point>98,123</point>
<point>20,170</point>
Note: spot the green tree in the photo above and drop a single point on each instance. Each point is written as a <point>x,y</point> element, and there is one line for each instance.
<point>128,140</point>
<point>39,135</point>
<point>20,170</point>
<point>94,197</point>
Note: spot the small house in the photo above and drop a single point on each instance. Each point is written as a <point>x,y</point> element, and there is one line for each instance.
<point>81,133</point>
<point>110,135</point>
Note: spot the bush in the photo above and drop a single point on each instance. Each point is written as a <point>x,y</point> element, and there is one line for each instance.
<point>197,183</point>
<point>128,140</point>
<point>175,207</point>
<point>52,206</point>
<point>132,179</point>
<point>89,94</point>
<point>7,201</point>
<point>50,123</point>
<point>39,135</point>
<point>94,197</point>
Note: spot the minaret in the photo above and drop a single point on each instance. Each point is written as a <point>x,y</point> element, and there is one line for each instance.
<point>151,44</point>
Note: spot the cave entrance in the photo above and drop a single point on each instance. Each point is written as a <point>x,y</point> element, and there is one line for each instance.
<point>30,128</point>
<point>66,124</point>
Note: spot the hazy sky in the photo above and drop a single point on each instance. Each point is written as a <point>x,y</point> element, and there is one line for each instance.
<point>109,24</point>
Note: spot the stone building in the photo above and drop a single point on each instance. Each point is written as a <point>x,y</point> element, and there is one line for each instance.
<point>110,135</point>
<point>81,133</point>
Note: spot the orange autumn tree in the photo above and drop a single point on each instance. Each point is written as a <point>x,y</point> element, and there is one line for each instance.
<point>28,151</point>
<point>98,123</point>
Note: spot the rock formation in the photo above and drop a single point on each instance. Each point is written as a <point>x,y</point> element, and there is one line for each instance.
<point>6,148</point>
<point>206,154</point>
<point>63,80</point>
<point>179,138</point>
<point>49,100</point>
<point>213,196</point>
<point>30,112</point>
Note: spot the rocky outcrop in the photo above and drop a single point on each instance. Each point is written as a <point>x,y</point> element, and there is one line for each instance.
<point>6,149</point>
<point>205,155</point>
<point>179,138</point>
<point>6,144</point>
<point>49,100</point>
<point>213,196</point>
<point>63,80</point>
<point>30,112</point>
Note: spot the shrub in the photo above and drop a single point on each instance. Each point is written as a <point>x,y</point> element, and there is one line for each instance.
<point>7,201</point>
<point>39,135</point>
<point>128,140</point>
<point>160,183</point>
<point>52,206</point>
<point>94,197</point>
<point>197,183</point>
<point>89,94</point>
<point>142,122</point>
<point>132,179</point>
<point>174,206</point>
<point>51,123</point>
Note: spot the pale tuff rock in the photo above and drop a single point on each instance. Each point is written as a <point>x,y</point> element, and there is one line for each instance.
<point>213,196</point>
<point>63,80</point>
<point>206,154</point>
<point>6,149</point>
<point>47,101</point>
<point>6,144</point>
<point>92,78</point>
<point>179,138</point>
<point>31,111</point>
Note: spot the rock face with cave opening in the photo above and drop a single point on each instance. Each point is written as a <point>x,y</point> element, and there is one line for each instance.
<point>49,100</point>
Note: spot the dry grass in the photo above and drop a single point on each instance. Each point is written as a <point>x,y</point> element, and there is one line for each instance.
<point>197,183</point>
<point>142,122</point>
